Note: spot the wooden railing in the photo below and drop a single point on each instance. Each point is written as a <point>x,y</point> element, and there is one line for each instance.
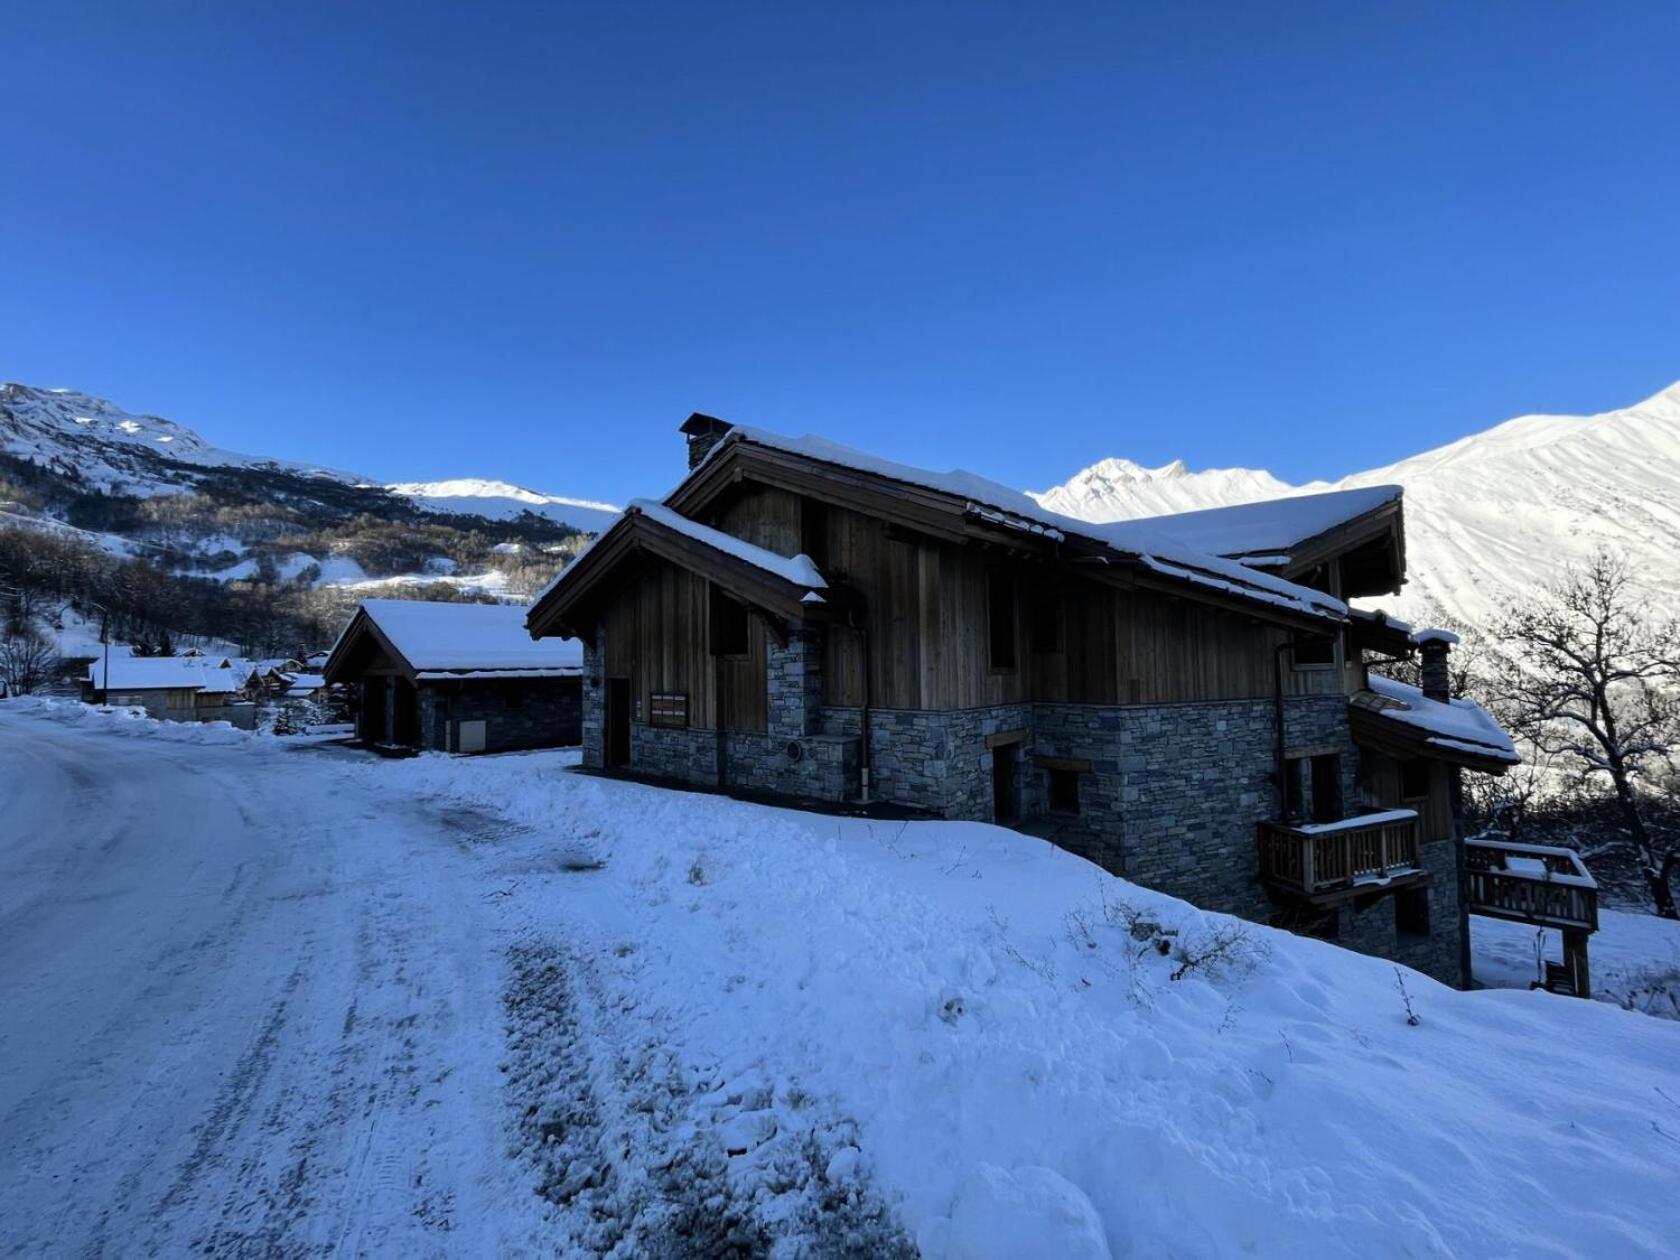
<point>1530,883</point>
<point>1328,857</point>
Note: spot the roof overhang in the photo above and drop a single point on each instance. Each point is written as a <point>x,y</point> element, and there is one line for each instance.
<point>567,607</point>
<point>361,627</point>
<point>1370,728</point>
<point>737,460</point>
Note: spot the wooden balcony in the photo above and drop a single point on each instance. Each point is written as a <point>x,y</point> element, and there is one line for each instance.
<point>1530,883</point>
<point>1329,862</point>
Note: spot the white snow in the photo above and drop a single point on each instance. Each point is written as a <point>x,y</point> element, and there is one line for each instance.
<point>799,570</point>
<point>1463,724</point>
<point>1355,823</point>
<point>1268,531</point>
<point>1633,959</point>
<point>452,638</point>
<point>1435,636</point>
<point>293,1001</point>
<point>1488,517</point>
<point>501,500</point>
<point>141,673</point>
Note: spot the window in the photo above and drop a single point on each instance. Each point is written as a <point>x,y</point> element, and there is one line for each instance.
<point>1000,619</point>
<point>1414,779</point>
<point>813,530</point>
<point>1045,621</point>
<point>1411,913</point>
<point>729,625</point>
<point>1313,651</point>
<point>1064,791</point>
<point>515,698</point>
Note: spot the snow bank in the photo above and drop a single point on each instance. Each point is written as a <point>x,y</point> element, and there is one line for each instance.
<point>1040,1059</point>
<point>120,720</point>
<point>1634,958</point>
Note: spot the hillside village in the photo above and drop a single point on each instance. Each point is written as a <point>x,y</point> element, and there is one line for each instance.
<point>1158,784</point>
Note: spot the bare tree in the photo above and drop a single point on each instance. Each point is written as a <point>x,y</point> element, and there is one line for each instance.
<point>1597,686</point>
<point>27,658</point>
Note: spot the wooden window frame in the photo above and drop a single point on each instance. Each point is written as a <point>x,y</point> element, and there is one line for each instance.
<point>713,611</point>
<point>1014,664</point>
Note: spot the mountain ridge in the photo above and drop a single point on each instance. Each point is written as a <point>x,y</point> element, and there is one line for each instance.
<point>1489,516</point>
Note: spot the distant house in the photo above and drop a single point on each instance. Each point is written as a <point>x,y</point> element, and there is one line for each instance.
<point>457,678</point>
<point>1187,700</point>
<point>174,688</point>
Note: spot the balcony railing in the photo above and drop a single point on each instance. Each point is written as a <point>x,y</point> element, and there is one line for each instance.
<point>1322,859</point>
<point>1530,883</point>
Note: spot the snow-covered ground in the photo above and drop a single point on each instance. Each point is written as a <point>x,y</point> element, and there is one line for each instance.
<point>1634,959</point>
<point>294,1000</point>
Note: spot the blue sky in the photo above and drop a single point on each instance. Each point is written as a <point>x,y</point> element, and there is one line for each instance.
<point>526,241</point>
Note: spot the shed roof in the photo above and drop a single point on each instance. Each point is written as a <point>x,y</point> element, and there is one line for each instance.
<point>169,673</point>
<point>448,639</point>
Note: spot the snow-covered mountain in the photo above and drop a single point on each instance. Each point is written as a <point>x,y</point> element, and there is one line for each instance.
<point>1488,518</point>
<point>501,501</point>
<point>109,449</point>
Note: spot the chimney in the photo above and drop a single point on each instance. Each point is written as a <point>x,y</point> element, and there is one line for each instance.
<point>1433,648</point>
<point>703,433</point>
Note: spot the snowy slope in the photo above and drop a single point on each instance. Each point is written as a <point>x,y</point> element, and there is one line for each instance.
<point>1488,517</point>
<point>114,450</point>
<point>501,500</point>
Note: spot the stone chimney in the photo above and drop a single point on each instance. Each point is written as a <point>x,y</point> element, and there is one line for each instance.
<point>703,433</point>
<point>1434,646</point>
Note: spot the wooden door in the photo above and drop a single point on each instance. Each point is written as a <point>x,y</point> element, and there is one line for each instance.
<point>618,722</point>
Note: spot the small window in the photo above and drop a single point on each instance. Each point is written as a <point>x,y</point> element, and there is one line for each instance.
<point>1414,779</point>
<point>1046,621</point>
<point>515,698</point>
<point>729,625</point>
<point>1064,791</point>
<point>813,530</point>
<point>1313,651</point>
<point>1411,913</point>
<point>1000,619</point>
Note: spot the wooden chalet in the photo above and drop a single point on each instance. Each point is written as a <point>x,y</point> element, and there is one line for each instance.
<point>462,678</point>
<point>1186,700</point>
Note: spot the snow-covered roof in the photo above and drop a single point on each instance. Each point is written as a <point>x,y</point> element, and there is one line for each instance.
<point>1435,636</point>
<point>156,673</point>
<point>1460,726</point>
<point>1158,549</point>
<point>798,570</point>
<point>1264,532</point>
<point>451,638</point>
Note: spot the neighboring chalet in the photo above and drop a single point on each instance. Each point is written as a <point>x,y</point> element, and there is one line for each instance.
<point>174,688</point>
<point>1185,700</point>
<point>456,678</point>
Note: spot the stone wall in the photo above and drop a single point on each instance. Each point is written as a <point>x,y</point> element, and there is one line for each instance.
<point>1373,929</point>
<point>517,713</point>
<point>935,760</point>
<point>594,700</point>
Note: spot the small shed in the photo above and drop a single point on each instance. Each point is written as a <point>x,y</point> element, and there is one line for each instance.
<point>174,688</point>
<point>457,678</point>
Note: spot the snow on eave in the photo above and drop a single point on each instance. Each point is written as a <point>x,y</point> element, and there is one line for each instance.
<point>439,637</point>
<point>799,570</point>
<point>1459,726</point>
<point>1357,822</point>
<point>1269,527</point>
<point>475,675</point>
<point>988,500</point>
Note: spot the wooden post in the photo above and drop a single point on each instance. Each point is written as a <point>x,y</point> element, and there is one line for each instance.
<point>1309,872</point>
<point>1575,960</point>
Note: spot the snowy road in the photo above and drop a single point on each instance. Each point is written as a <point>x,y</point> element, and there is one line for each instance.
<point>243,1010</point>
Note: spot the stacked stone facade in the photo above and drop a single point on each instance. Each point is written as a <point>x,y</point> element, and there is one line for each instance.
<point>517,713</point>
<point>1169,795</point>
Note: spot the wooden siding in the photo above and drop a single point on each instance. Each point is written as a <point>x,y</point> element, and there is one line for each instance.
<point>925,612</point>
<point>657,637</point>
